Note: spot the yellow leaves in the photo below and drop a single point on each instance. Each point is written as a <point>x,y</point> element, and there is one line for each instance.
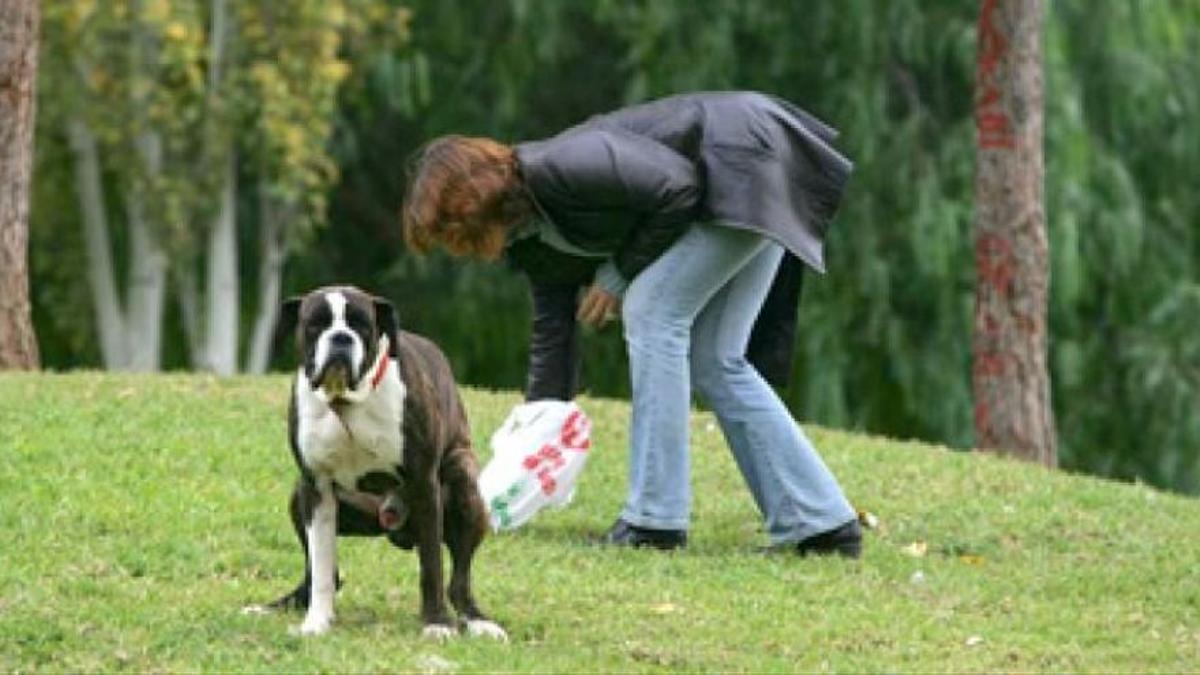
<point>85,8</point>
<point>664,608</point>
<point>76,14</point>
<point>293,138</point>
<point>336,70</point>
<point>155,11</point>
<point>254,32</point>
<point>376,12</point>
<point>176,31</point>
<point>920,549</point>
<point>868,520</point>
<point>402,23</point>
<point>336,14</point>
<point>265,74</point>
<point>276,96</point>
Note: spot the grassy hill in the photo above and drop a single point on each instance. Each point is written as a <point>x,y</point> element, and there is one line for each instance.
<point>139,513</point>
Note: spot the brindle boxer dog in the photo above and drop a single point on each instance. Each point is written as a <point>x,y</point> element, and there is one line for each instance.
<point>382,442</point>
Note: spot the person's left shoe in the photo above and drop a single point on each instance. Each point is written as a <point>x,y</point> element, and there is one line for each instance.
<point>623,533</point>
<point>845,540</point>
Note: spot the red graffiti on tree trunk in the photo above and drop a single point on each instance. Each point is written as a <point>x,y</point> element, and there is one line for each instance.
<point>994,262</point>
<point>996,267</point>
<point>991,121</point>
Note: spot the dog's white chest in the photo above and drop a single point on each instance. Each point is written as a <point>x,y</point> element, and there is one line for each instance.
<point>358,439</point>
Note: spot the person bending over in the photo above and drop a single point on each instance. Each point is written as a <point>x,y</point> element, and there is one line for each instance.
<point>675,214</point>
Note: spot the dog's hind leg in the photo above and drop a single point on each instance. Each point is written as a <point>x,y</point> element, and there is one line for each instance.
<point>466,526</point>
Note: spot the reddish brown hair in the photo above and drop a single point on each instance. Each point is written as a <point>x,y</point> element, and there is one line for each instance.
<point>463,193</point>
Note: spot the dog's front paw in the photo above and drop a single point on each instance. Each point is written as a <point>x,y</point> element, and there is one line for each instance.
<point>256,610</point>
<point>437,632</point>
<point>313,626</point>
<point>485,628</point>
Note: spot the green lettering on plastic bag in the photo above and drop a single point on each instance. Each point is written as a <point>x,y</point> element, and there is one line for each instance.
<point>500,502</point>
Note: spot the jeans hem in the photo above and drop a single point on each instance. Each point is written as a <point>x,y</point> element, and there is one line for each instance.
<point>802,532</point>
<point>650,523</point>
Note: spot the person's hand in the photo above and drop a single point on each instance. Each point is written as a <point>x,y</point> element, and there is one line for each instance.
<point>598,307</point>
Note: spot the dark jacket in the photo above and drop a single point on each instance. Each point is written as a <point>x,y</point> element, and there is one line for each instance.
<point>554,356</point>
<point>628,183</point>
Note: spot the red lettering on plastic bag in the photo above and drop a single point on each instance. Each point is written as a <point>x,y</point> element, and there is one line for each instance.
<point>548,482</point>
<point>575,431</point>
<point>549,458</point>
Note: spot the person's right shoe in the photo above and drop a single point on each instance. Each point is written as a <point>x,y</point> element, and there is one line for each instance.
<point>845,540</point>
<point>623,533</point>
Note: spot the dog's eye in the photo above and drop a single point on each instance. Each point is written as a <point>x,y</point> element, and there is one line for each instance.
<point>359,324</point>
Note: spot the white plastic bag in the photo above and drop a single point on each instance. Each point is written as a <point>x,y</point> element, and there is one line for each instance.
<point>537,456</point>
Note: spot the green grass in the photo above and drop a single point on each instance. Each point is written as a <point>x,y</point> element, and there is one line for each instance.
<point>138,514</point>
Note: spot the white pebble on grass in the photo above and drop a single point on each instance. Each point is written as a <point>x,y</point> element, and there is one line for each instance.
<point>432,663</point>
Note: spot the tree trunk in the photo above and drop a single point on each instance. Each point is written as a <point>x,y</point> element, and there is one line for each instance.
<point>18,76</point>
<point>147,260</point>
<point>272,254</point>
<point>147,271</point>
<point>1010,378</point>
<point>222,291</point>
<point>147,288</point>
<point>110,318</point>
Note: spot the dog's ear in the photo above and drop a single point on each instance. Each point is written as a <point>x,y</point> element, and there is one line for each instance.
<point>285,325</point>
<point>389,325</point>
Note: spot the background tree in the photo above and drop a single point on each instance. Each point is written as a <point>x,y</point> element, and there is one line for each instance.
<point>183,111</point>
<point>1010,376</point>
<point>104,65</point>
<point>18,74</point>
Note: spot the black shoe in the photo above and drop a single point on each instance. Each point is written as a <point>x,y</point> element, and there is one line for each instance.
<point>845,541</point>
<point>624,534</point>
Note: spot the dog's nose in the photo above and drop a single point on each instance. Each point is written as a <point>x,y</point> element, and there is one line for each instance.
<point>341,339</point>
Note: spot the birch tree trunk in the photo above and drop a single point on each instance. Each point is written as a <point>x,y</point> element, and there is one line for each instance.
<point>272,255</point>
<point>1010,378</point>
<point>221,292</point>
<point>18,75</point>
<point>147,272</point>
<point>147,261</point>
<point>110,318</point>
<point>222,289</point>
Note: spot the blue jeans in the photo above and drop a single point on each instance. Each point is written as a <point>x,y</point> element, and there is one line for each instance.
<point>688,318</point>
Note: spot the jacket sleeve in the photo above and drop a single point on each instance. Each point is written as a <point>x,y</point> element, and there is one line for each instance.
<point>554,343</point>
<point>610,169</point>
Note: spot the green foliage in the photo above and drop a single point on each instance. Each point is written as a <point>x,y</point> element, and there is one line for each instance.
<point>884,339</point>
<point>172,89</point>
<point>295,64</point>
<point>263,86</point>
<point>126,69</point>
<point>1124,239</point>
<point>146,511</point>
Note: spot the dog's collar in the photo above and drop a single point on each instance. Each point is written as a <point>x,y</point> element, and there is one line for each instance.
<point>380,370</point>
<point>385,346</point>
